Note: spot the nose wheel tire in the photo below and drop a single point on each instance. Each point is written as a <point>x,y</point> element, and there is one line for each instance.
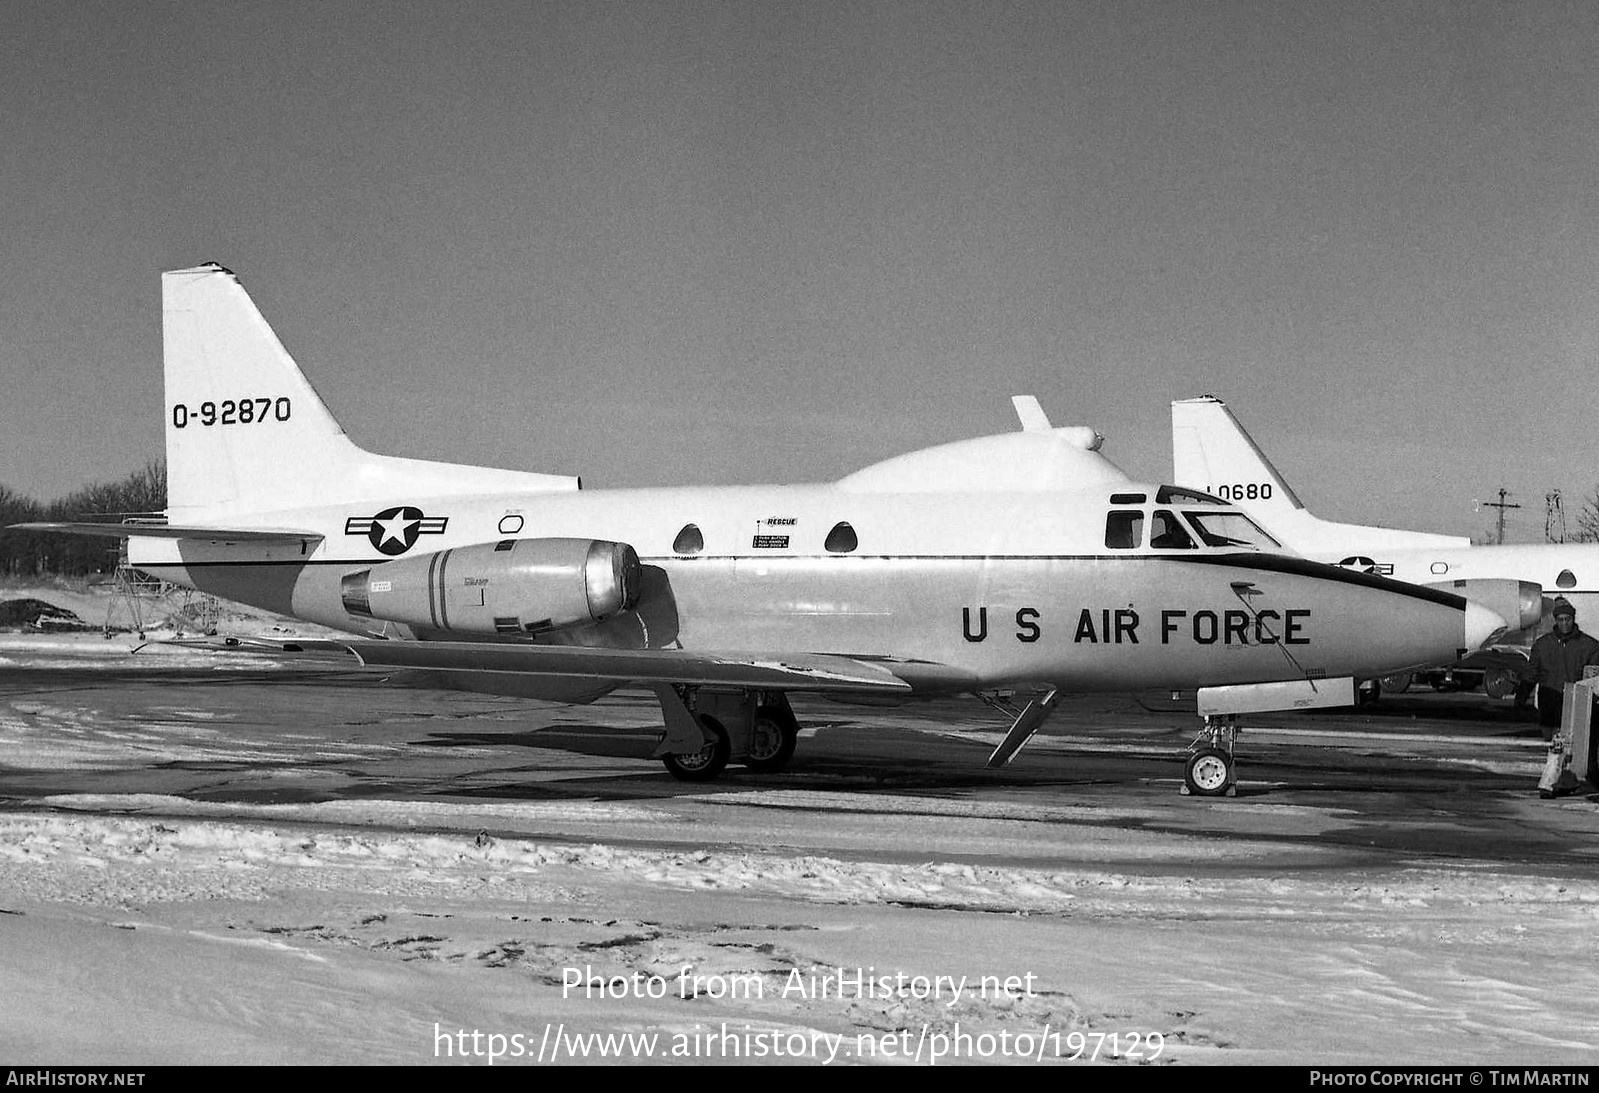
<point>1209,773</point>
<point>771,744</point>
<point>703,765</point>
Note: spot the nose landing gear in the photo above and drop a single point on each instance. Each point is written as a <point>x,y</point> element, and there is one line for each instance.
<point>1211,770</point>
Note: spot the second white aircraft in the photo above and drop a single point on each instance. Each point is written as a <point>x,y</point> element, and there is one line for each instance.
<point>1211,451</point>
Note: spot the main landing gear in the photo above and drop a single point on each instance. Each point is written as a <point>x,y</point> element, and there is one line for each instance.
<point>1211,770</point>
<point>706,729</point>
<point>706,764</point>
<point>772,737</point>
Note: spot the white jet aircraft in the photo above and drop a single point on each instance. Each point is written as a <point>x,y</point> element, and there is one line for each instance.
<point>1025,561</point>
<point>1212,452</point>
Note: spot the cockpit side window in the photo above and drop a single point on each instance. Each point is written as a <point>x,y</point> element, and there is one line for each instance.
<point>1166,532</point>
<point>1124,530</point>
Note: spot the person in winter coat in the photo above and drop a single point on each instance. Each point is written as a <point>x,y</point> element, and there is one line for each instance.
<point>1558,658</point>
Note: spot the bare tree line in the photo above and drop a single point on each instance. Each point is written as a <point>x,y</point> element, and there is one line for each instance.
<point>37,554</point>
<point>1588,520</point>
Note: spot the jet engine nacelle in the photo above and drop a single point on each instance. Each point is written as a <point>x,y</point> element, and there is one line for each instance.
<point>515,586</point>
<point>1520,603</point>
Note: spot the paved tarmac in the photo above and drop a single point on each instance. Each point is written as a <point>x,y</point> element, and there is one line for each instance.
<point>1439,777</point>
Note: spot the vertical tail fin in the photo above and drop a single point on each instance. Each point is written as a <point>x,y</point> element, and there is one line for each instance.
<point>242,421</point>
<point>246,433</point>
<point>1212,452</point>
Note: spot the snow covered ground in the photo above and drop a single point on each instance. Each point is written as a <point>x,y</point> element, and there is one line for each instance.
<point>312,934</point>
<point>787,923</point>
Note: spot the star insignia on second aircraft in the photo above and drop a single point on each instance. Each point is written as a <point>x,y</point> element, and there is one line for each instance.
<point>394,531</point>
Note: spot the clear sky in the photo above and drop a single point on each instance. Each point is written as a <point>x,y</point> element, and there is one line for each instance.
<point>741,242</point>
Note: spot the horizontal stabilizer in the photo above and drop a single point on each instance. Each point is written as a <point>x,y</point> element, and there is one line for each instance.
<point>174,531</point>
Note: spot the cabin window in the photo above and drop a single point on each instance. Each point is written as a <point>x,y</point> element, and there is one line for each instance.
<point>504,544</point>
<point>1124,530</point>
<point>689,540</point>
<point>841,540</point>
<point>1567,579</point>
<point>1166,532</point>
<point>1127,498</point>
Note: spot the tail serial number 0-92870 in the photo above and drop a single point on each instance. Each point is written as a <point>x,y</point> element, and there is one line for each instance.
<point>244,411</point>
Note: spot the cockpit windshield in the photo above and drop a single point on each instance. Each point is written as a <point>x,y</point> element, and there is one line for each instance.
<point>1230,529</point>
<point>1180,519</point>
<point>1167,533</point>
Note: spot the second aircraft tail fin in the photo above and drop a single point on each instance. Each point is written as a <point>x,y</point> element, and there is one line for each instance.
<point>1212,452</point>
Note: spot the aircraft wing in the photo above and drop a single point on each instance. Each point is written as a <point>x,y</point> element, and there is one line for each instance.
<point>798,672</point>
<point>173,531</point>
<point>813,672</point>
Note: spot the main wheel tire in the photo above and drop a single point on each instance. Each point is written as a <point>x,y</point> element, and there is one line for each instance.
<point>1209,772</point>
<point>1500,683</point>
<point>1396,684</point>
<point>707,763</point>
<point>772,741</point>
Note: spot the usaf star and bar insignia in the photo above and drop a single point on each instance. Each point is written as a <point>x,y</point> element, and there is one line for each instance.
<point>395,531</point>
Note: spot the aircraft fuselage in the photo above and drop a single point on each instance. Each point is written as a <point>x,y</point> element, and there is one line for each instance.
<point>996,589</point>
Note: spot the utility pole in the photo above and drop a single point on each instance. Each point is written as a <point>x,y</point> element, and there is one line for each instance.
<point>1501,506</point>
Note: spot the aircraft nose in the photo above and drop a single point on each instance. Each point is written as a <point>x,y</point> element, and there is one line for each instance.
<point>1482,625</point>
